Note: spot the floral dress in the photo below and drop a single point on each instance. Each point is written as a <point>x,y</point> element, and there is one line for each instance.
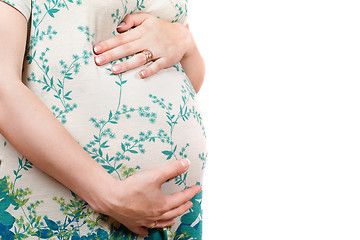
<point>125,123</point>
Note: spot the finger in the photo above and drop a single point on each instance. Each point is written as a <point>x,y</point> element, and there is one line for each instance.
<point>153,68</point>
<point>161,224</point>
<point>134,62</point>
<point>172,170</point>
<point>115,41</point>
<point>138,230</point>
<point>118,52</point>
<point>179,198</point>
<point>166,223</point>
<point>132,20</point>
<point>176,211</point>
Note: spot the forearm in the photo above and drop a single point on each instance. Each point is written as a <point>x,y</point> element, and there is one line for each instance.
<point>194,68</point>
<point>193,63</point>
<point>35,132</point>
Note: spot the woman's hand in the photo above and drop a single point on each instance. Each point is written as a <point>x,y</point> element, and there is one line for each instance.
<point>169,43</point>
<point>138,202</point>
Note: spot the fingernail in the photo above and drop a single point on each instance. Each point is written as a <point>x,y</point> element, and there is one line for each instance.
<point>142,73</point>
<point>186,163</point>
<point>99,59</point>
<point>121,24</point>
<point>97,48</point>
<point>116,68</point>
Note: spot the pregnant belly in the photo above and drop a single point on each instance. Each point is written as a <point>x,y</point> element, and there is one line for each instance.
<point>128,124</point>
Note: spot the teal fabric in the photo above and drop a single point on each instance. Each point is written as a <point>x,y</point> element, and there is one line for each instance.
<point>125,123</point>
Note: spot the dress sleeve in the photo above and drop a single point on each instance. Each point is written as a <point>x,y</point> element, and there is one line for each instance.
<point>186,16</point>
<point>23,6</point>
<point>186,19</point>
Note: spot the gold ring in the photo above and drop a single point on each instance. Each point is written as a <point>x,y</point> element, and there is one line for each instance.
<point>155,224</point>
<point>148,55</point>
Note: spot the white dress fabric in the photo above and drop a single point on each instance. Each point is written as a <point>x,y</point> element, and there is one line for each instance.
<point>127,124</point>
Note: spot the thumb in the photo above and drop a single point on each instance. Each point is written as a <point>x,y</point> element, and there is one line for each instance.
<point>173,169</point>
<point>132,20</point>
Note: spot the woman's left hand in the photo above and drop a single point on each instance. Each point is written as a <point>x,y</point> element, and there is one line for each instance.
<point>169,43</point>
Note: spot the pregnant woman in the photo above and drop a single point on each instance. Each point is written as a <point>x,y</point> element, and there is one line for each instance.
<point>101,135</point>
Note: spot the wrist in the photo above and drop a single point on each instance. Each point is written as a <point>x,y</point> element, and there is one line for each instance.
<point>186,40</point>
<point>101,193</point>
<point>194,67</point>
<point>191,46</point>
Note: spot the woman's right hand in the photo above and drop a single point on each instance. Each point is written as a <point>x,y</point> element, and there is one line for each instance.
<point>139,203</point>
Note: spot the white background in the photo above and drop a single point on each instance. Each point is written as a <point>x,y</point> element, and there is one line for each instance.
<point>281,105</point>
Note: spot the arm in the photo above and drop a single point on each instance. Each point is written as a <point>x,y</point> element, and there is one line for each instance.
<point>18,105</point>
<point>20,114</point>
<point>193,64</point>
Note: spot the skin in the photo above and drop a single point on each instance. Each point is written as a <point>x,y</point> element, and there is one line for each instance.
<point>135,202</point>
<point>170,43</point>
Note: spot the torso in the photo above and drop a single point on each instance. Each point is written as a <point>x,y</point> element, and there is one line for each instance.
<point>127,124</point>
